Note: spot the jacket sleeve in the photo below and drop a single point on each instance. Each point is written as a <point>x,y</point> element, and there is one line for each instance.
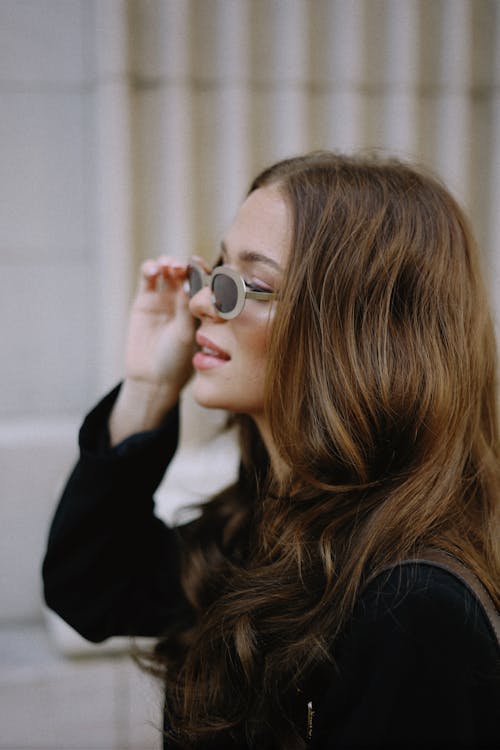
<point>418,669</point>
<point>111,566</point>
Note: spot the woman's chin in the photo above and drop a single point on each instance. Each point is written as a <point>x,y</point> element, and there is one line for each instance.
<point>206,395</point>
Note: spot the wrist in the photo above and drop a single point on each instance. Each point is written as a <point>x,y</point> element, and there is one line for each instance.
<point>139,407</point>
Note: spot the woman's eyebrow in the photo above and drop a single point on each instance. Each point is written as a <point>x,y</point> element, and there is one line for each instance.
<point>250,256</point>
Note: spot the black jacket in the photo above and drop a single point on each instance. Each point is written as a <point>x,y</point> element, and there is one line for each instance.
<point>417,667</point>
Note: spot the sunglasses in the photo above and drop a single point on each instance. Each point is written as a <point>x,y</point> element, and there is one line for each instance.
<point>229,289</point>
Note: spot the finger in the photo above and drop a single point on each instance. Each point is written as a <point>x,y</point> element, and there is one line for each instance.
<point>173,274</point>
<point>172,268</point>
<point>150,272</point>
<point>155,272</point>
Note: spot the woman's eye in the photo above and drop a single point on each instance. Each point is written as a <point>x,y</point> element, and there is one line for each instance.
<point>256,287</point>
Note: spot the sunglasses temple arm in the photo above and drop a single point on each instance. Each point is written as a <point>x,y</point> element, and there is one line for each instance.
<point>260,295</point>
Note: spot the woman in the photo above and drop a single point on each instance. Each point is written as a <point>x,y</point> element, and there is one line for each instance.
<point>359,355</point>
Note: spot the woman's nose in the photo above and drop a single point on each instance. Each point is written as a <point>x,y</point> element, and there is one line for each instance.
<point>201,304</point>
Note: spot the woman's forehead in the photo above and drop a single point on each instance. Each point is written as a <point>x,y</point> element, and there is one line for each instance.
<point>261,230</point>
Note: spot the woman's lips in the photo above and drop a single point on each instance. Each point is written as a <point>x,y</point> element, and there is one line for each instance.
<point>210,355</point>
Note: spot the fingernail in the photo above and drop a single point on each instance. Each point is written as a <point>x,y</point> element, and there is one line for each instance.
<point>150,269</point>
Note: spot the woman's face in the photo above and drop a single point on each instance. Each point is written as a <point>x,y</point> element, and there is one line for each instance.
<point>230,365</point>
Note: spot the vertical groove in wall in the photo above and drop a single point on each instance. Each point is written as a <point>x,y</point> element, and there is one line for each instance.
<point>174,141</point>
<point>336,51</point>
<point>479,164</point>
<point>288,103</point>
<point>453,136</point>
<point>223,87</point>
<point>401,76</point>
<point>114,230</point>
<point>279,73</point>
<point>231,107</point>
<point>163,127</point>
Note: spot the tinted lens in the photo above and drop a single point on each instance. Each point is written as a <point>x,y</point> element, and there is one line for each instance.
<point>195,281</point>
<point>225,293</point>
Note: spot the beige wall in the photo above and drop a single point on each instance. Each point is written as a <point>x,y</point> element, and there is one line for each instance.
<point>129,129</point>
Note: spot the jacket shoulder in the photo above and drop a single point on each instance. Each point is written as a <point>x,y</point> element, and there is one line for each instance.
<point>416,667</point>
<point>413,586</point>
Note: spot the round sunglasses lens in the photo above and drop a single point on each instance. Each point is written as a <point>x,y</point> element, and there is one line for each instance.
<point>225,293</point>
<point>195,281</point>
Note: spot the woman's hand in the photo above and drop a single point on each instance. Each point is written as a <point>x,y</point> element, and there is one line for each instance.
<point>161,328</point>
<point>160,346</point>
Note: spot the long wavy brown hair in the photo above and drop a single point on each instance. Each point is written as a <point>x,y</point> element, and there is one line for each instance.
<point>381,396</point>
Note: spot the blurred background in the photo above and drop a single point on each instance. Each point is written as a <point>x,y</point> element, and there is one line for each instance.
<point>130,129</point>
